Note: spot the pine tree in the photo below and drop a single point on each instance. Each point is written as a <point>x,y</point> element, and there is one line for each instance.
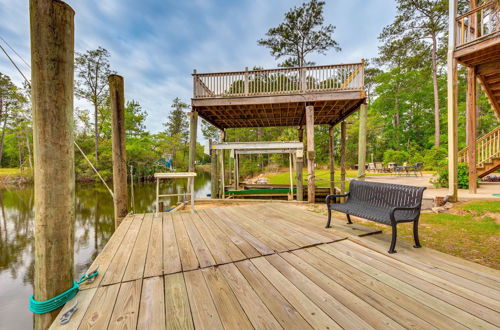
<point>177,123</point>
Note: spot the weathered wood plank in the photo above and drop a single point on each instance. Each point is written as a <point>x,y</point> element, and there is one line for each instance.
<point>337,311</point>
<point>309,311</point>
<point>256,243</point>
<point>200,247</point>
<point>188,257</point>
<point>127,306</point>
<point>355,304</point>
<point>116,269</point>
<point>391,302</point>
<point>171,256</point>
<point>152,305</point>
<point>240,242</point>
<point>434,303</point>
<point>84,298</point>
<point>217,248</point>
<point>103,259</point>
<point>203,309</point>
<point>154,259</point>
<point>230,311</point>
<point>282,310</point>
<point>99,312</point>
<point>456,295</point>
<point>135,266</point>
<point>256,311</point>
<point>177,310</point>
<point>221,239</point>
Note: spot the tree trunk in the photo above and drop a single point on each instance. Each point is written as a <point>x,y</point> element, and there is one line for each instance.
<point>2,139</point>
<point>96,135</point>
<point>437,132</point>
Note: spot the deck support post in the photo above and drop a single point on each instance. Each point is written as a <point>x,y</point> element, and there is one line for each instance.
<point>452,84</point>
<point>343,137</point>
<point>236,171</point>
<point>213,172</point>
<point>222,185</point>
<point>52,72</point>
<point>471,128</point>
<point>193,128</point>
<point>311,193</point>
<point>299,168</point>
<point>331,153</point>
<point>362,142</point>
<point>300,132</point>
<point>120,193</point>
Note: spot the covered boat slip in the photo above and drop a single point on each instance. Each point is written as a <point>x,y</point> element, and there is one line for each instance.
<point>274,265</point>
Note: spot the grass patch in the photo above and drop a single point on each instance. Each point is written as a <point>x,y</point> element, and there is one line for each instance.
<point>322,177</point>
<point>9,171</point>
<point>470,231</point>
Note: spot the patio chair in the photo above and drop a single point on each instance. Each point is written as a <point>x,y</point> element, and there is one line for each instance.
<point>379,167</point>
<point>371,167</point>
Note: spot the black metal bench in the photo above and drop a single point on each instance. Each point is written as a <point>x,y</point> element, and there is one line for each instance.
<point>384,203</point>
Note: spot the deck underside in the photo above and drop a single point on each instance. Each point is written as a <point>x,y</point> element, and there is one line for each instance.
<point>278,110</point>
<point>275,266</point>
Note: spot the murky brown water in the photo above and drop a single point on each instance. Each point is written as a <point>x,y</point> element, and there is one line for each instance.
<point>93,227</point>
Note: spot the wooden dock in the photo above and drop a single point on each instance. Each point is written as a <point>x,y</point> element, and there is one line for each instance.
<point>273,266</point>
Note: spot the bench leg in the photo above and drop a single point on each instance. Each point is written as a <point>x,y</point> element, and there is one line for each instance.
<point>415,234</point>
<point>393,240</point>
<point>349,222</point>
<point>329,218</point>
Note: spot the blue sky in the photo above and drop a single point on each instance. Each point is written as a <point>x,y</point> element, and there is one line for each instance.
<point>156,44</point>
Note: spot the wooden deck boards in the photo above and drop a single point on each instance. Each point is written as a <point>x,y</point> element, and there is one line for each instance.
<point>274,266</point>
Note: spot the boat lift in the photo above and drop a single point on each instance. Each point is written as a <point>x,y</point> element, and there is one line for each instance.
<point>294,149</point>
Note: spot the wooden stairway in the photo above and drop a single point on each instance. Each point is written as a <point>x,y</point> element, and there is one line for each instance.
<point>487,153</point>
<point>489,76</point>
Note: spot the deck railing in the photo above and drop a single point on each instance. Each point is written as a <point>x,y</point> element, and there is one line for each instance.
<point>487,148</point>
<point>478,23</point>
<point>280,81</point>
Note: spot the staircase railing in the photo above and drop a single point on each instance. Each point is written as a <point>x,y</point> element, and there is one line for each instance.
<point>487,148</point>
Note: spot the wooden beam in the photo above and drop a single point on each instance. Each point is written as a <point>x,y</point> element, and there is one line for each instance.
<point>214,180</point>
<point>261,145</point>
<point>452,84</point>
<point>343,139</point>
<point>471,128</point>
<point>480,45</point>
<point>311,188</point>
<point>331,153</point>
<point>362,142</point>
<point>299,167</point>
<point>52,74</point>
<point>117,98</point>
<point>300,98</point>
<point>193,128</point>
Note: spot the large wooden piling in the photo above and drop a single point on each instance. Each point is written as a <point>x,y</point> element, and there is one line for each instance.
<point>362,142</point>
<point>471,128</point>
<point>311,155</point>
<point>120,195</point>
<point>331,163</point>
<point>52,74</point>
<point>214,180</point>
<point>343,140</point>
<point>299,167</point>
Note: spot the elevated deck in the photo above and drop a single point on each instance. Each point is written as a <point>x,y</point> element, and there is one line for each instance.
<point>276,97</point>
<point>275,266</point>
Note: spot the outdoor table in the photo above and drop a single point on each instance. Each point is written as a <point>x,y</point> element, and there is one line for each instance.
<point>175,175</point>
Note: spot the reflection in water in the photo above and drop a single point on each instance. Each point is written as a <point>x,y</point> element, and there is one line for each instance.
<point>93,227</point>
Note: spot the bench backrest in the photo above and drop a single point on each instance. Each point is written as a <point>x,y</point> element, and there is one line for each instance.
<point>385,195</point>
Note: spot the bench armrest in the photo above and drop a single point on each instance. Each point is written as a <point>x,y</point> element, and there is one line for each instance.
<point>399,208</point>
<point>329,197</point>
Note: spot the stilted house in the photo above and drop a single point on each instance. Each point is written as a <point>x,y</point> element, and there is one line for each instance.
<point>294,97</point>
<point>474,42</point>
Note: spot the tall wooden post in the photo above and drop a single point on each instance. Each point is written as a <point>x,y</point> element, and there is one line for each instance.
<point>362,142</point>
<point>311,188</point>
<point>117,97</point>
<point>236,171</point>
<point>300,131</point>
<point>213,172</point>
<point>343,138</point>
<point>452,84</point>
<point>52,72</point>
<point>471,128</point>
<point>331,151</point>
<point>299,168</point>
<point>222,185</point>
<point>193,128</point>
